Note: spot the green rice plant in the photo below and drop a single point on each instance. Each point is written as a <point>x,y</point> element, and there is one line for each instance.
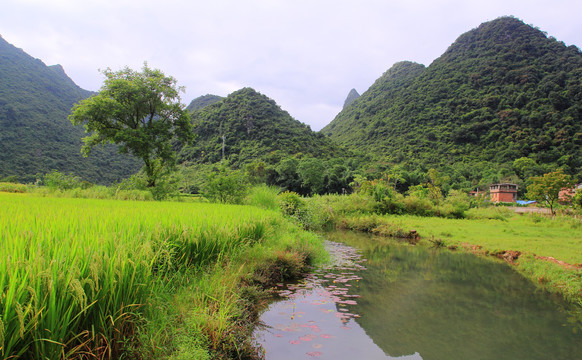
<point>76,273</point>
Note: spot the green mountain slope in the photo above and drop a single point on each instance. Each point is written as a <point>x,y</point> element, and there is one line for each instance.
<point>35,134</point>
<point>203,101</point>
<point>502,91</point>
<point>253,126</point>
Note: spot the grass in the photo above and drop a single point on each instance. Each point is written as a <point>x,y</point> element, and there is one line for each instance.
<point>263,196</point>
<point>88,278</point>
<point>560,238</point>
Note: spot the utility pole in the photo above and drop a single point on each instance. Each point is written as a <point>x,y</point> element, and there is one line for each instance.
<point>223,142</point>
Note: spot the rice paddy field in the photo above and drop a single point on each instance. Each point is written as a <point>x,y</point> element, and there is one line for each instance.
<point>81,278</point>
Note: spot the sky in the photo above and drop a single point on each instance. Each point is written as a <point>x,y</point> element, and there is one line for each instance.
<point>304,54</point>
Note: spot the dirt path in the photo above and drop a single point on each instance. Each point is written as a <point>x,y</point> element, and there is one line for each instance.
<point>559,262</point>
<point>531,210</point>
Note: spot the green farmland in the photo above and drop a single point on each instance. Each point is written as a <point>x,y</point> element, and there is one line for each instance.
<point>85,278</point>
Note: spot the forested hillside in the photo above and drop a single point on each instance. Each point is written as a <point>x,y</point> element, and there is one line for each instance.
<point>502,91</point>
<point>251,126</point>
<point>203,101</point>
<point>35,134</point>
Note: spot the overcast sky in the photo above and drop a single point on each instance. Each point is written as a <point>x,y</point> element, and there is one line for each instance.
<point>304,54</point>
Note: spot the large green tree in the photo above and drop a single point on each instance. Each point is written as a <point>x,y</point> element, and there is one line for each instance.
<point>142,113</point>
<point>547,188</point>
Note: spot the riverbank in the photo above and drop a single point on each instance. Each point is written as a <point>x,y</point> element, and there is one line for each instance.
<point>546,250</point>
<point>381,298</point>
<point>146,280</point>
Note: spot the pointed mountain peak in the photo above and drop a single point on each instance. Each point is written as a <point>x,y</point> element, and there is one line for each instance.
<point>353,95</point>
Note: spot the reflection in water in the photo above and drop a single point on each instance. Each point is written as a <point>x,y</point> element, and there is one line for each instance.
<point>415,303</point>
<point>314,320</point>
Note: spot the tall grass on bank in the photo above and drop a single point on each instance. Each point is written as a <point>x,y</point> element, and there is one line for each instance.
<point>263,196</point>
<point>76,273</point>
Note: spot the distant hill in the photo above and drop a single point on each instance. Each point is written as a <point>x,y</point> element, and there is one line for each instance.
<point>502,91</point>
<point>203,101</point>
<point>353,95</point>
<point>253,126</point>
<point>35,134</point>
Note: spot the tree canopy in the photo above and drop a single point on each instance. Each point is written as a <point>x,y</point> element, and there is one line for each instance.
<point>139,111</point>
<point>547,188</point>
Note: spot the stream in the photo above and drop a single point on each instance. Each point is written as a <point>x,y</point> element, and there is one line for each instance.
<point>378,299</point>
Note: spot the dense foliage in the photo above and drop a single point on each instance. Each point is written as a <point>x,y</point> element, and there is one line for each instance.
<point>141,112</point>
<point>203,101</point>
<point>501,92</point>
<point>35,136</point>
<point>250,132</point>
<point>549,188</point>
<point>250,126</point>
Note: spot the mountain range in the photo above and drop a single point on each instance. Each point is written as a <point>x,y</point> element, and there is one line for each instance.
<point>501,92</point>
<point>35,134</point>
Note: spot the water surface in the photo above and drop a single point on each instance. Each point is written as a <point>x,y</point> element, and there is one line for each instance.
<point>381,300</point>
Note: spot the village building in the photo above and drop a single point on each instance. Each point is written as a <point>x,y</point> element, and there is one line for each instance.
<point>475,192</point>
<point>566,194</point>
<point>505,192</point>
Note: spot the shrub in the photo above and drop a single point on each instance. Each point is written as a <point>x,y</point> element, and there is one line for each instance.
<point>388,200</point>
<point>419,206</point>
<point>364,223</point>
<point>312,214</point>
<point>455,205</point>
<point>392,203</point>
<point>354,203</point>
<point>290,203</point>
<point>56,180</point>
<point>225,186</point>
<point>263,196</point>
<point>316,215</point>
<point>135,187</point>
<point>13,187</point>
